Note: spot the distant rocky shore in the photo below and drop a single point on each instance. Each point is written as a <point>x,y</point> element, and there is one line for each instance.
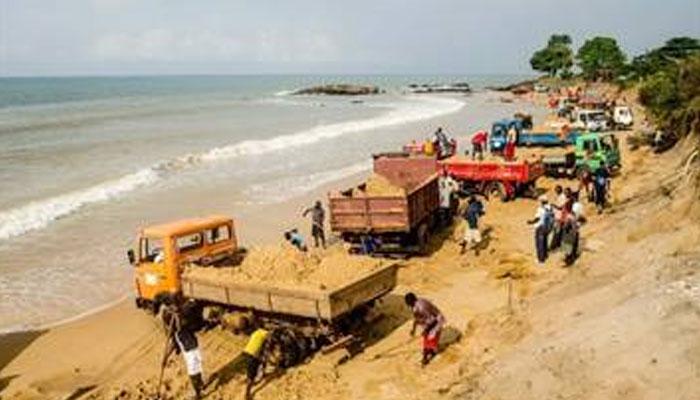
<point>516,88</point>
<point>339,90</point>
<point>457,87</point>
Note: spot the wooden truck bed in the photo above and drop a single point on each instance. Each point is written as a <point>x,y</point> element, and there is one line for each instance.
<point>382,214</point>
<point>316,304</point>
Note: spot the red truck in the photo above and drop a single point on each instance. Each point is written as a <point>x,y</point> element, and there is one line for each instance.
<point>504,179</point>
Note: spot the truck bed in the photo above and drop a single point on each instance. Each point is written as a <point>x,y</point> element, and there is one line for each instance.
<point>381,214</point>
<point>325,305</point>
<point>464,168</point>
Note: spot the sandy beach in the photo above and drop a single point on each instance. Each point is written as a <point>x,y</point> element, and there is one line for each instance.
<point>620,324</point>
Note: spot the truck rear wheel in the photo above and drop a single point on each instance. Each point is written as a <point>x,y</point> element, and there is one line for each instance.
<point>498,189</point>
<point>422,237</point>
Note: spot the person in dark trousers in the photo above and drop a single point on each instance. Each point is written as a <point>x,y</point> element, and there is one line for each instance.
<point>317,218</point>
<point>431,320</point>
<point>543,221</point>
<point>601,186</point>
<point>570,238</point>
<point>472,235</point>
<point>181,323</point>
<point>442,143</point>
<point>559,205</point>
<point>254,355</point>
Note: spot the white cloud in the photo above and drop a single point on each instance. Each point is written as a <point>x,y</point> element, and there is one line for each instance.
<point>173,45</point>
<point>166,45</point>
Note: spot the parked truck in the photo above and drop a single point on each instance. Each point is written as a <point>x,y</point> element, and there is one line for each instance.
<point>494,177</point>
<point>591,151</point>
<point>539,138</point>
<point>400,222</point>
<point>167,256</point>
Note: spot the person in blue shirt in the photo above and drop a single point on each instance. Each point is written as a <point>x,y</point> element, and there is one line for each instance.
<point>295,239</point>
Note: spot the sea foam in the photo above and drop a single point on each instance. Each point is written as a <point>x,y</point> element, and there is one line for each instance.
<point>39,214</point>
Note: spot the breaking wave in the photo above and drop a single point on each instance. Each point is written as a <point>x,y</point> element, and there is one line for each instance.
<point>281,190</point>
<point>39,214</point>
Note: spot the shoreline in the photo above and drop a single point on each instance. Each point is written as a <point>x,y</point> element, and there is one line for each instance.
<point>263,225</point>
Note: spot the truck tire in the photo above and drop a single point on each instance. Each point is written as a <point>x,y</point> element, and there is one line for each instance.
<point>498,189</point>
<point>422,236</point>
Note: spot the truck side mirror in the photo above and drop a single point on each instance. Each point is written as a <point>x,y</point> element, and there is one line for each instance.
<point>130,255</point>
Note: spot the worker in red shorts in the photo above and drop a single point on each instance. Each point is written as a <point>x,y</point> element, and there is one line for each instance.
<point>431,321</point>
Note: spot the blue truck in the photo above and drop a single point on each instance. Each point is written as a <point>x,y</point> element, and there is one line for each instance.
<point>499,134</point>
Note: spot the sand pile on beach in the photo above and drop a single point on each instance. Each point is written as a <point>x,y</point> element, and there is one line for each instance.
<point>284,265</point>
<point>378,185</point>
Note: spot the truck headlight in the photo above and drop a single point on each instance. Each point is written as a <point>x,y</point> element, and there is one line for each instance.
<point>150,279</point>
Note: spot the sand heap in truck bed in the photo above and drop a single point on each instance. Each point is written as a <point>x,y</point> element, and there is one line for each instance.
<point>378,185</point>
<point>285,266</point>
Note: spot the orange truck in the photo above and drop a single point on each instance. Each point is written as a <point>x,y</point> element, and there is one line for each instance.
<point>163,251</point>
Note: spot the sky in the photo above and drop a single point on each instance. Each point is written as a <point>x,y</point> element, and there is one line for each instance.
<point>132,37</point>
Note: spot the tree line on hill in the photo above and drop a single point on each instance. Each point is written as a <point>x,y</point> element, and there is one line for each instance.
<point>668,77</point>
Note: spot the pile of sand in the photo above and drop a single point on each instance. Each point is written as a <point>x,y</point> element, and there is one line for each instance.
<point>378,185</point>
<point>284,265</point>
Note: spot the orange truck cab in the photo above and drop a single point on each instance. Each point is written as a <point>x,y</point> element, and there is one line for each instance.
<point>162,251</point>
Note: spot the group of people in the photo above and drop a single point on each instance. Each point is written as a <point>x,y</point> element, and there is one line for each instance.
<point>596,184</point>
<point>557,224</point>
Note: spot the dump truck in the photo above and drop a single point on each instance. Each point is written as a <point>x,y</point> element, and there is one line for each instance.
<point>166,255</point>
<point>538,137</point>
<point>591,151</point>
<point>494,177</point>
<point>400,222</point>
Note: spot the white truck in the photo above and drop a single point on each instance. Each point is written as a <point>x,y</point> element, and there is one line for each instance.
<point>622,117</point>
<point>590,120</point>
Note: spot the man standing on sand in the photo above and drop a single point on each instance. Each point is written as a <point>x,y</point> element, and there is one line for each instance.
<point>448,186</point>
<point>472,235</point>
<point>544,220</point>
<point>559,216</point>
<point>601,186</point>
<point>317,218</point>
<point>181,328</point>
<point>431,320</point>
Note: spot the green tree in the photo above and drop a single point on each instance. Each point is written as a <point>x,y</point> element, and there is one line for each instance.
<point>600,58</point>
<point>672,96</point>
<point>556,57</point>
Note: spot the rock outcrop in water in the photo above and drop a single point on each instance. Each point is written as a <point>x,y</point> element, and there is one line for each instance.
<point>457,87</point>
<point>516,88</point>
<point>339,90</point>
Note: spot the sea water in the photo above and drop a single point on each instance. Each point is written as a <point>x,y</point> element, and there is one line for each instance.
<point>85,161</point>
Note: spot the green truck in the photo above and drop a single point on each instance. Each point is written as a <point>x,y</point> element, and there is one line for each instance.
<point>591,151</point>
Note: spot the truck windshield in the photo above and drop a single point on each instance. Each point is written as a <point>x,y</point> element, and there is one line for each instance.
<point>151,249</point>
<point>608,143</point>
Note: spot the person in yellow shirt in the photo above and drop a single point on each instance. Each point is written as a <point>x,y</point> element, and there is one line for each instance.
<point>254,355</point>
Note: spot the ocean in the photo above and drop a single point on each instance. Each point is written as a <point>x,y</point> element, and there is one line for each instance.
<point>86,161</point>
